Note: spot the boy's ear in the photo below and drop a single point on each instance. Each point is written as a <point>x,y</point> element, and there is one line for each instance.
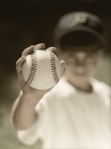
<point>101,52</point>
<point>100,56</point>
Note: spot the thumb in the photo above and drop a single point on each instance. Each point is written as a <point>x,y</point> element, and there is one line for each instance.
<point>62,62</point>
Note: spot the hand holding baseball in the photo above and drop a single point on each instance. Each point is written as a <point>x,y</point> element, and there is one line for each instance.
<point>40,86</point>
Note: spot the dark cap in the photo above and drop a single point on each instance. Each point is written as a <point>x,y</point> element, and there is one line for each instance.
<point>79,21</point>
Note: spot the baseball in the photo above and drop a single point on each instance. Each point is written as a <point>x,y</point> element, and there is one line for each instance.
<point>42,70</point>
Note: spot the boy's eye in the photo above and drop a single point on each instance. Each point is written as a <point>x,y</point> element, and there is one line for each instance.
<point>70,55</point>
<point>90,60</point>
<point>71,59</point>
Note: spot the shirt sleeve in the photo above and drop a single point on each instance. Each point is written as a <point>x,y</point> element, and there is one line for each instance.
<point>36,130</point>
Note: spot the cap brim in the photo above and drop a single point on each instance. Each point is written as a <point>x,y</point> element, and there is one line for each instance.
<point>80,28</point>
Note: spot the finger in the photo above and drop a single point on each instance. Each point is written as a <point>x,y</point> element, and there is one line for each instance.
<point>19,63</point>
<point>19,71</point>
<point>62,62</point>
<point>40,46</point>
<point>52,49</point>
<point>28,51</point>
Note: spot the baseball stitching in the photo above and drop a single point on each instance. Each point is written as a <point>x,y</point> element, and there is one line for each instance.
<point>33,69</point>
<point>53,67</point>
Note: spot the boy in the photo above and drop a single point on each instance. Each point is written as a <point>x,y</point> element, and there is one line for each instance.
<point>75,114</point>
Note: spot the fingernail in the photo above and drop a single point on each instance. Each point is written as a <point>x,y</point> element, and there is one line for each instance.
<point>43,45</point>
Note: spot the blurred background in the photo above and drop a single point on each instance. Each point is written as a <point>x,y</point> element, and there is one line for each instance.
<point>25,23</point>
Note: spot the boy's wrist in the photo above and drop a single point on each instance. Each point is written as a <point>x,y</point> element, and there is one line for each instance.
<point>30,98</point>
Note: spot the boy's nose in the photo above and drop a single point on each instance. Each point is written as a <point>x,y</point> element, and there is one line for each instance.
<point>80,63</point>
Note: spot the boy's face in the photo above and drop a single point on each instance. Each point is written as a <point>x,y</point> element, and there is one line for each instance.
<point>81,65</point>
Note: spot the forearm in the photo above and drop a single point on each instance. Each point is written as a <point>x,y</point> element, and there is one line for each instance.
<point>23,111</point>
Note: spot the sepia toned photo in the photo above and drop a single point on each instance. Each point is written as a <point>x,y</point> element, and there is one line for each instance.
<point>55,74</point>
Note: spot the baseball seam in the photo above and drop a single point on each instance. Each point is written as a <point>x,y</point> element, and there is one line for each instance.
<point>53,67</point>
<point>33,69</point>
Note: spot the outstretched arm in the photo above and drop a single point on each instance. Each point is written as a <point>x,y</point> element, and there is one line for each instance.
<point>23,111</point>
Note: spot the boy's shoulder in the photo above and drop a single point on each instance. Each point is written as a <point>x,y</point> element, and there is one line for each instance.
<point>100,86</point>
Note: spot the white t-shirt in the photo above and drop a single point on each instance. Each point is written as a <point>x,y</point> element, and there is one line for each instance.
<point>72,119</point>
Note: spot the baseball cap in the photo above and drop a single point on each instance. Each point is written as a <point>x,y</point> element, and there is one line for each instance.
<point>79,21</point>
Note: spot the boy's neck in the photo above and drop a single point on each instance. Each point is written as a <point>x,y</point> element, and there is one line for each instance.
<point>81,85</point>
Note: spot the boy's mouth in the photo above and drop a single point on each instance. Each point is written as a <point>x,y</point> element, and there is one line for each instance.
<point>80,74</point>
